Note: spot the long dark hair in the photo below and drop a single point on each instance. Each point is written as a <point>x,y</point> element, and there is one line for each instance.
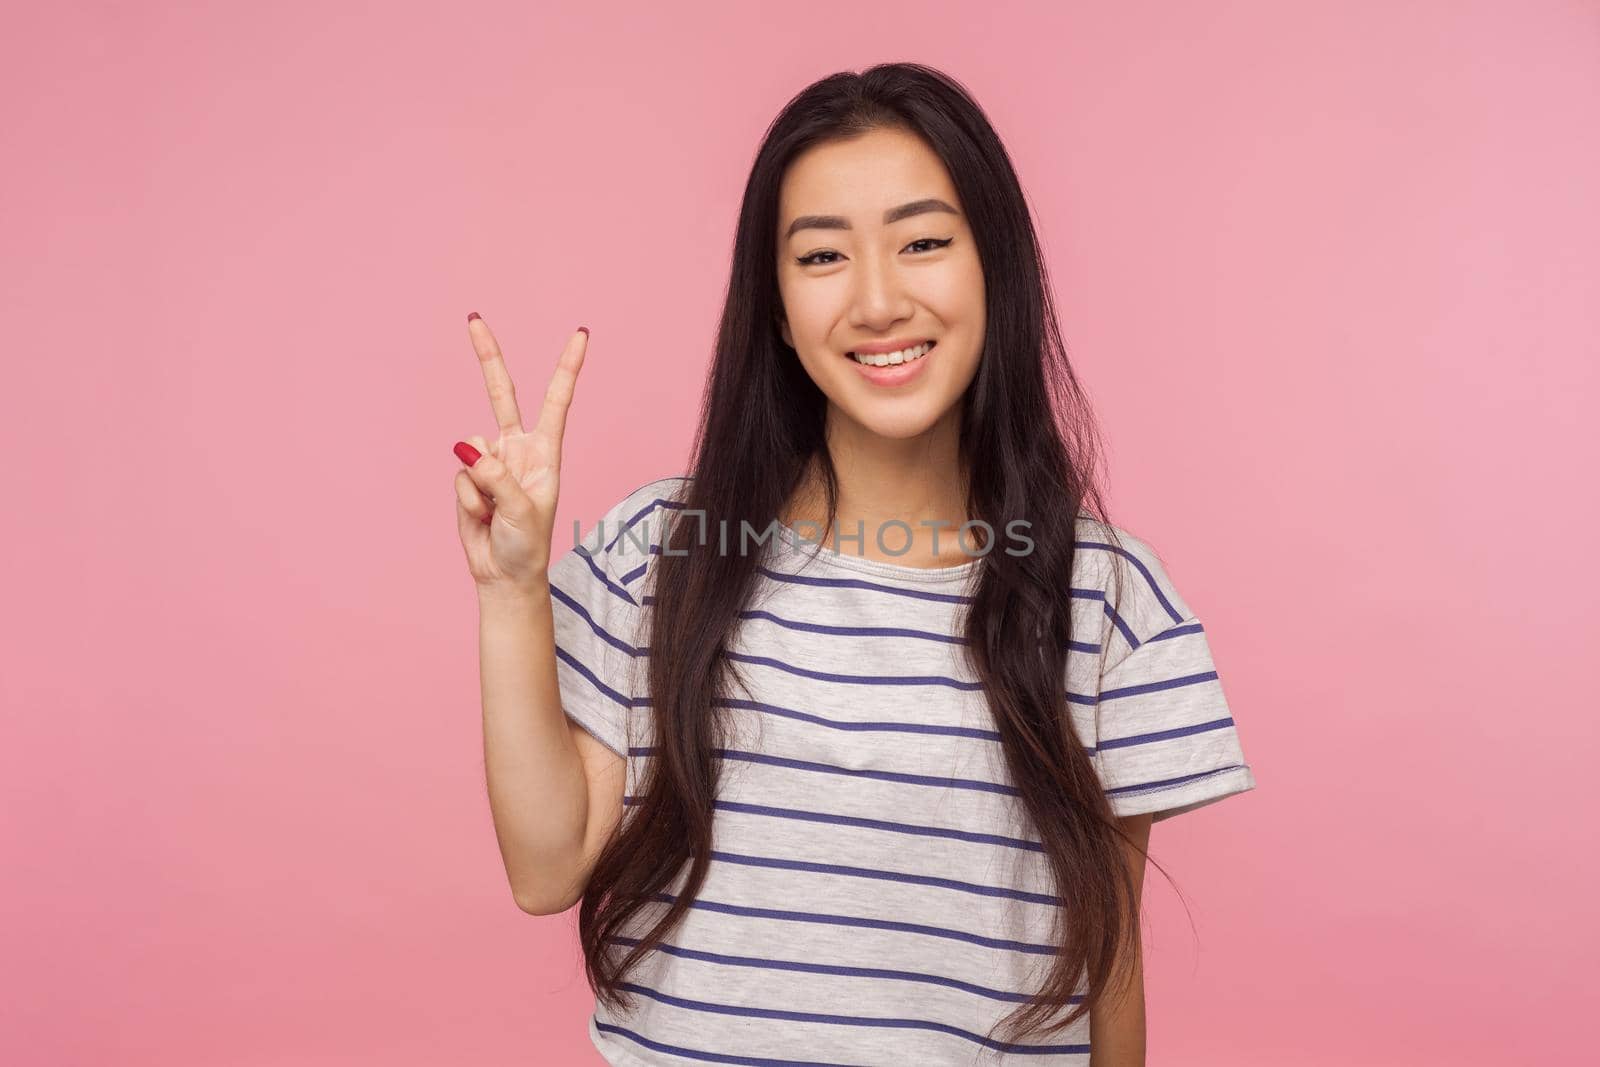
<point>1029,450</point>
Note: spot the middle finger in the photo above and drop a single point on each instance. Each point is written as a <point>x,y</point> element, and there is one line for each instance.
<point>502,394</point>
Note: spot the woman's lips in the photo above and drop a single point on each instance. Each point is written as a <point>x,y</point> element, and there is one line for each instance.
<point>894,373</point>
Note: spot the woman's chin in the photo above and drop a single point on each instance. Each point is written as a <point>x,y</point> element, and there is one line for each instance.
<point>890,425</point>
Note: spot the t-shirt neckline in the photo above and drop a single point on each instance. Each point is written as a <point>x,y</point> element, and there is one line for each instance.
<point>801,550</point>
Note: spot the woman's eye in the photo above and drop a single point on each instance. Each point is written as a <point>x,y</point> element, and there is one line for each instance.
<point>813,259</point>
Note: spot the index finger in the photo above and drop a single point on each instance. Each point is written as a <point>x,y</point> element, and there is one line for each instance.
<point>502,394</point>
<point>552,425</point>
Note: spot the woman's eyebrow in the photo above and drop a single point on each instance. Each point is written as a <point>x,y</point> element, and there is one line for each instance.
<point>894,214</point>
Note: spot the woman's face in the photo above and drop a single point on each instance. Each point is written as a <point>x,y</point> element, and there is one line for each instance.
<point>873,274</point>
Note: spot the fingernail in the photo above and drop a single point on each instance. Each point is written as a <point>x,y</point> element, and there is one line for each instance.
<point>473,315</point>
<point>467,453</point>
<point>584,330</point>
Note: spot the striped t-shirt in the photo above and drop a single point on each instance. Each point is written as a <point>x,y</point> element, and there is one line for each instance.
<point>874,895</point>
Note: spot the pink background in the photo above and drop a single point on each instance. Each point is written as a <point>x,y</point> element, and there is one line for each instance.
<point>1329,270</point>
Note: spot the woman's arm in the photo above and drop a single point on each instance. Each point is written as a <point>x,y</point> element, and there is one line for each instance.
<point>538,793</point>
<point>1116,1026</point>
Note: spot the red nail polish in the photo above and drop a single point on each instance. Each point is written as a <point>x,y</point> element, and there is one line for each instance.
<point>473,315</point>
<point>467,453</point>
<point>584,330</point>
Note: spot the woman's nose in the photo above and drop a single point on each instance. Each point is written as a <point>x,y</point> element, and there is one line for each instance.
<point>880,295</point>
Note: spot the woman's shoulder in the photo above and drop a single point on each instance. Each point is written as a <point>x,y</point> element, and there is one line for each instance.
<point>660,493</point>
<point>633,525</point>
<point>1110,562</point>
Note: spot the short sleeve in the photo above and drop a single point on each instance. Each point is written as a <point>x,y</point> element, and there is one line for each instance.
<point>595,604</point>
<point>1166,740</point>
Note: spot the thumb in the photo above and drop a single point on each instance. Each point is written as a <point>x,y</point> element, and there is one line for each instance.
<point>495,480</point>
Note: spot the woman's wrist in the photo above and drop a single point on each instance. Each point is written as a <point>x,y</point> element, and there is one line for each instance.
<point>501,597</point>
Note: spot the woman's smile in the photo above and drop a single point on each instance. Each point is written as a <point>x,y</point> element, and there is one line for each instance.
<point>889,369</point>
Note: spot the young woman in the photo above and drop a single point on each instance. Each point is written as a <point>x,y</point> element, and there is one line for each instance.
<point>848,741</point>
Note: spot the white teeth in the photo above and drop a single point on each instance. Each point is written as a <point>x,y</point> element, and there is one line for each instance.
<point>884,359</point>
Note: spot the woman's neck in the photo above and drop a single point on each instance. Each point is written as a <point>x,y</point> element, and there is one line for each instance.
<point>899,496</point>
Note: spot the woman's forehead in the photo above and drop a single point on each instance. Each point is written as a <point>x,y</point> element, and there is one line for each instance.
<point>864,180</point>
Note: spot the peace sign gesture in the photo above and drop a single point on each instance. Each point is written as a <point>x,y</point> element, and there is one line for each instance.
<point>506,493</point>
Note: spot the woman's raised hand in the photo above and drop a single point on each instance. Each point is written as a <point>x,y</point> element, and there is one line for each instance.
<point>506,496</point>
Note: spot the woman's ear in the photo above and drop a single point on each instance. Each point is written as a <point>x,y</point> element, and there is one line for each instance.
<point>783,328</point>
